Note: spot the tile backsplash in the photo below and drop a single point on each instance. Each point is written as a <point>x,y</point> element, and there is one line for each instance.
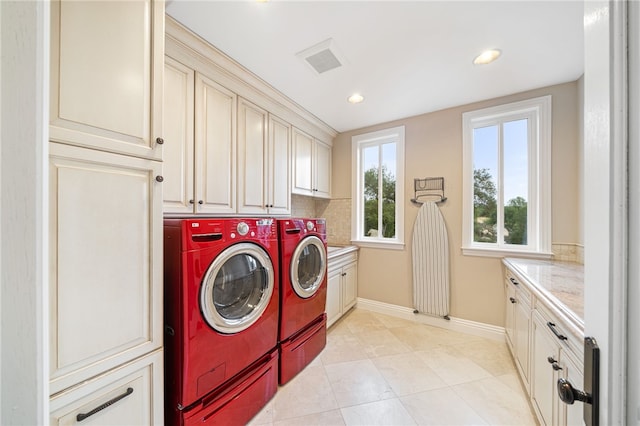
<point>568,252</point>
<point>337,212</point>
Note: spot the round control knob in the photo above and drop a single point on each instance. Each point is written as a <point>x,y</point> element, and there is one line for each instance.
<point>242,228</point>
<point>310,226</point>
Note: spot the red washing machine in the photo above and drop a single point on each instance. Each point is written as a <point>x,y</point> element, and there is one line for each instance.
<point>303,293</point>
<point>221,303</point>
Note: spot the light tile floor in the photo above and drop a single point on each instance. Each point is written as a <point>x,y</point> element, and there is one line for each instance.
<point>381,370</point>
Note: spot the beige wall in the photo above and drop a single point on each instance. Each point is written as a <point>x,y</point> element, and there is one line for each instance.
<point>433,147</point>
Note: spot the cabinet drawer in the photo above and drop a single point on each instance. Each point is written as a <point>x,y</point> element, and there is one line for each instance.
<point>512,280</point>
<point>129,395</point>
<point>339,261</point>
<point>568,338</point>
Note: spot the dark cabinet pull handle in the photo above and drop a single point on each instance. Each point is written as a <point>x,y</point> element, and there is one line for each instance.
<point>550,360</point>
<point>555,366</point>
<point>512,300</point>
<point>552,326</point>
<point>568,394</point>
<point>81,416</point>
<point>513,281</point>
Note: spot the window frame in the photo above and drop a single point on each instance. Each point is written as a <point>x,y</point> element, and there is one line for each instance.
<point>358,143</point>
<point>539,177</point>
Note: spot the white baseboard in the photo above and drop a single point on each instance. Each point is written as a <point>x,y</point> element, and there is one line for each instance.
<point>456,324</point>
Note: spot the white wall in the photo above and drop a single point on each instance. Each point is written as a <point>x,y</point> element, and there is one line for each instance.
<point>633,354</point>
<point>605,166</point>
<point>24,104</point>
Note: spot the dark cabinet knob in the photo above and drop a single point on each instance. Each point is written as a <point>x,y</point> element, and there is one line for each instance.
<point>200,202</point>
<point>512,300</point>
<point>191,201</point>
<point>555,366</point>
<point>159,141</point>
<point>159,178</point>
<point>550,360</point>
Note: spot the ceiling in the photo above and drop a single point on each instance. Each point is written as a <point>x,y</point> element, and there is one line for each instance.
<point>405,58</point>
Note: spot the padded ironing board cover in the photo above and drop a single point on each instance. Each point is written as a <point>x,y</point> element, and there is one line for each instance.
<point>430,255</point>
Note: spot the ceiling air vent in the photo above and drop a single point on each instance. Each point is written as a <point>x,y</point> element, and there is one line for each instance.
<point>322,57</point>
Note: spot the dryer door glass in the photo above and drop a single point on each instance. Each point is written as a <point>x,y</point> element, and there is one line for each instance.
<point>308,266</point>
<point>237,288</point>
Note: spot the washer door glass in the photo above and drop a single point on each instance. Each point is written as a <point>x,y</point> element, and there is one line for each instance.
<point>237,288</point>
<point>308,266</point>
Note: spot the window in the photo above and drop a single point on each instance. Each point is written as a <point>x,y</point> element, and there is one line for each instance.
<point>378,188</point>
<point>506,179</point>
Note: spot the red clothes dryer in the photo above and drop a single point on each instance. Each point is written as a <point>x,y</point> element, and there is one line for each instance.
<point>221,303</point>
<point>303,293</point>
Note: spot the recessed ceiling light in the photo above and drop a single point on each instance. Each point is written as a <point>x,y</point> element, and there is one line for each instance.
<point>356,98</point>
<point>487,57</point>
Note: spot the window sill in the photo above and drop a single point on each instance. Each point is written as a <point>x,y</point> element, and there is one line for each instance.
<point>379,244</point>
<point>489,252</point>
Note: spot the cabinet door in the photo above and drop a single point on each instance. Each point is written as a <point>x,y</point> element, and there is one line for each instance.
<point>543,378</point>
<point>178,138</point>
<point>322,170</point>
<point>334,295</point>
<point>106,75</point>
<point>302,163</point>
<point>522,315</point>
<point>252,159</point>
<point>509,321</point>
<point>130,395</point>
<point>571,415</point>
<point>279,174</point>
<point>106,261</point>
<point>215,148</point>
<point>349,286</point>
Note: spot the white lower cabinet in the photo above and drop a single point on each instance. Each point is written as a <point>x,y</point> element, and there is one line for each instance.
<point>128,395</point>
<point>552,360</point>
<point>546,354</point>
<point>342,285</point>
<point>517,323</point>
<point>553,349</point>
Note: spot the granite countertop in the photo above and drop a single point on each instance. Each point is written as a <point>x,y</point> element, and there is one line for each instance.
<point>559,284</point>
<point>336,251</point>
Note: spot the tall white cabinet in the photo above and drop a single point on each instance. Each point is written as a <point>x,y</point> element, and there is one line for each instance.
<point>105,198</point>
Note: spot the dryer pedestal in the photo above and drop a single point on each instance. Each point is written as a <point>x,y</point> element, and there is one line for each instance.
<point>240,401</point>
<point>300,349</point>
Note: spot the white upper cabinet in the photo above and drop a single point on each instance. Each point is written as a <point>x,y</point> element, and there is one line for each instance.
<point>312,166</point>
<point>106,75</point>
<point>178,136</point>
<point>252,158</point>
<point>264,171</point>
<point>215,148</point>
<point>279,166</point>
<point>200,143</point>
<point>322,169</point>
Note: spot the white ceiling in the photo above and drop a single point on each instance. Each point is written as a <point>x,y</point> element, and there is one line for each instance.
<point>406,58</point>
